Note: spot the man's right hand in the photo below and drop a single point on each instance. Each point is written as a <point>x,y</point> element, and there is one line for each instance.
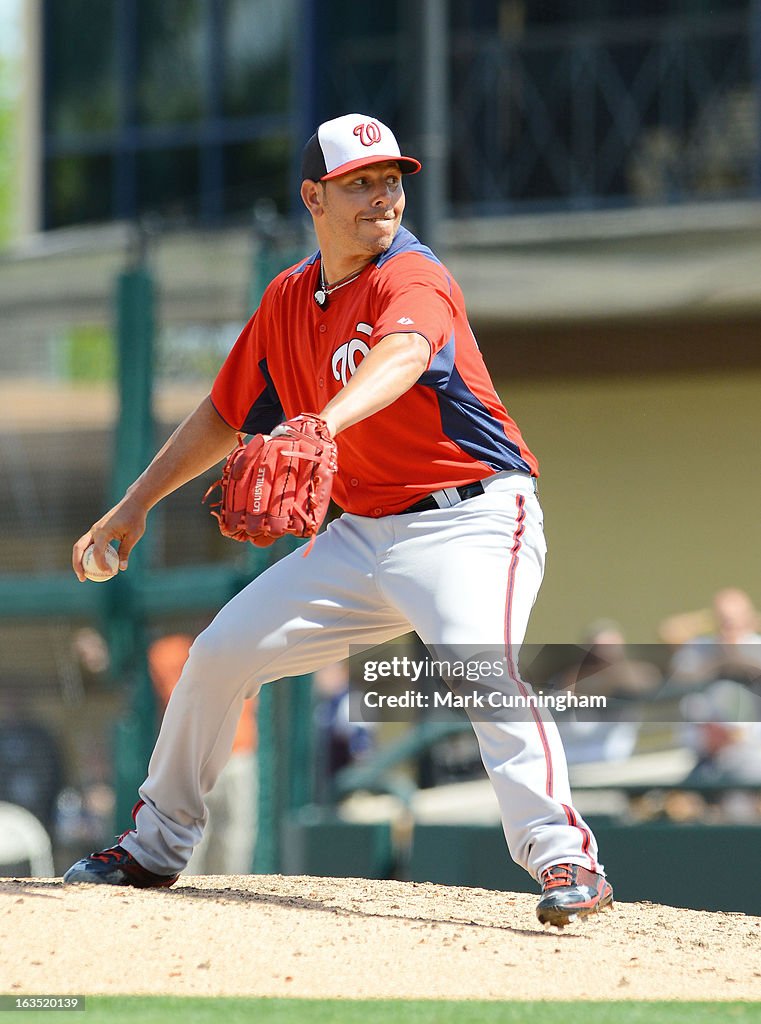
<point>200,441</point>
<point>124,524</point>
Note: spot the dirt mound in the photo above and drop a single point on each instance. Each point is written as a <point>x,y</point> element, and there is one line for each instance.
<point>270,935</point>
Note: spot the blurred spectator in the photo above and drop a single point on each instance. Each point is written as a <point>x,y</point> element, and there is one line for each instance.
<point>670,805</point>
<point>605,670</point>
<point>92,656</point>
<point>722,715</point>
<point>339,741</point>
<point>679,629</point>
<point>84,818</point>
<point>723,727</point>
<point>85,808</point>
<point>229,839</point>
<point>730,648</point>
<point>31,765</point>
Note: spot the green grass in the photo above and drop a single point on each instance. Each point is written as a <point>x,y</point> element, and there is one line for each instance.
<point>147,1010</point>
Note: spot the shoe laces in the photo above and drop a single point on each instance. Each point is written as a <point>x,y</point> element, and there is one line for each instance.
<point>559,876</point>
<point>115,855</point>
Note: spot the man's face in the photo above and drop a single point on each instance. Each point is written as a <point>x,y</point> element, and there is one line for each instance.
<point>735,615</point>
<point>361,211</point>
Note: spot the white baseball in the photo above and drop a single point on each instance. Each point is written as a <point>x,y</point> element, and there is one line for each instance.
<point>92,572</point>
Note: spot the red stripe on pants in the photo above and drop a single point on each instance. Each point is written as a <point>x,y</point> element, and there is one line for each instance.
<point>512,667</point>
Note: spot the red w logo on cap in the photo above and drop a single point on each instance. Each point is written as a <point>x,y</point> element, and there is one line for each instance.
<point>368,134</point>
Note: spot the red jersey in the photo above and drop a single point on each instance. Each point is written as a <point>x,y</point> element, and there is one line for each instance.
<point>293,356</point>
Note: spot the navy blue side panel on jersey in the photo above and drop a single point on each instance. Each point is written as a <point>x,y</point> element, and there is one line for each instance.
<point>267,411</point>
<point>405,241</point>
<point>439,373</point>
<point>308,262</point>
<point>466,420</point>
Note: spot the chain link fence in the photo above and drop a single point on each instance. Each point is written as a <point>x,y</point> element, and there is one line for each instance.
<point>61,694</point>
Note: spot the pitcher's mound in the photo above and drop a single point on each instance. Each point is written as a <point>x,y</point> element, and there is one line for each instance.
<point>272,935</point>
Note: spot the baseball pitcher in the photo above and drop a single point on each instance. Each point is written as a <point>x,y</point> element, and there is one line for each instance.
<point>358,377</point>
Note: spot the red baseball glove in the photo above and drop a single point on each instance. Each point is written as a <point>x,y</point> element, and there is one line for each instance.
<point>277,484</point>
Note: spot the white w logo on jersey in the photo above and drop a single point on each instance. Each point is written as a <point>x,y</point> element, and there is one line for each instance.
<point>348,356</point>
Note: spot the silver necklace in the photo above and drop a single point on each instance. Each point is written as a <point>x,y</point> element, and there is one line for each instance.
<point>322,293</point>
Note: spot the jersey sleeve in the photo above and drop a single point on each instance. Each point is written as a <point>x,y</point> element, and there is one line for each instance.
<point>243,393</point>
<point>417,297</point>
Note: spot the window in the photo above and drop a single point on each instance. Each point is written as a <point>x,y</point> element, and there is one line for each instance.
<point>181,107</point>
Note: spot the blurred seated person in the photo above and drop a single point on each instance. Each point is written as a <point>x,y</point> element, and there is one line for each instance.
<point>92,657</point>
<point>722,720</point>
<point>723,728</point>
<point>31,762</point>
<point>229,839</point>
<point>605,669</point>
<point>339,740</point>
<point>728,649</point>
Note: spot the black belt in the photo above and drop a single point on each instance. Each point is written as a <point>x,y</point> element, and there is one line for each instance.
<point>429,502</point>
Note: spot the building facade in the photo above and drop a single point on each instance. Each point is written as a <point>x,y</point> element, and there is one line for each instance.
<point>193,110</point>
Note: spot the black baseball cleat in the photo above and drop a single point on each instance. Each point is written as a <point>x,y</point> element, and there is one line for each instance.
<point>116,866</point>
<point>570,891</point>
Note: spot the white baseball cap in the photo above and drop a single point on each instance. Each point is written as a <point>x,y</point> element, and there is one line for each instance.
<point>350,141</point>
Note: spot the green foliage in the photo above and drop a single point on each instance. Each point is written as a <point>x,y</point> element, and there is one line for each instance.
<point>8,151</point>
<point>89,354</point>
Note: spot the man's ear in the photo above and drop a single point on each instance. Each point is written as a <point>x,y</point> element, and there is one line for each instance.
<point>312,196</point>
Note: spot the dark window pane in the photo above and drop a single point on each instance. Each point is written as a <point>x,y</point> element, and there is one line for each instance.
<point>619,10</point>
<point>257,170</point>
<point>171,53</point>
<point>167,182</point>
<point>78,189</point>
<point>258,40</point>
<point>81,66</point>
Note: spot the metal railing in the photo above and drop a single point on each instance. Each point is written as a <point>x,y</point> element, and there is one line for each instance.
<point>593,114</point>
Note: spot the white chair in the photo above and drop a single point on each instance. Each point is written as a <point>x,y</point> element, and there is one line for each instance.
<point>24,840</point>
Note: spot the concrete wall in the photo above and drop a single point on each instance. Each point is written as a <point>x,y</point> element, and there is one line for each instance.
<point>651,492</point>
